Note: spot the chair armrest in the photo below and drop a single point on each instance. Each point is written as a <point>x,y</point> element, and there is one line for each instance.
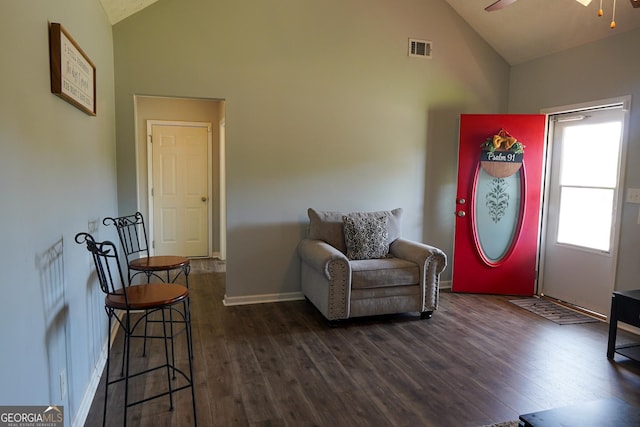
<point>419,253</point>
<point>320,255</point>
<point>325,278</point>
<point>432,261</point>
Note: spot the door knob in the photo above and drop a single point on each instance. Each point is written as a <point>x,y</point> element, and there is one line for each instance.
<point>204,199</point>
<point>461,213</point>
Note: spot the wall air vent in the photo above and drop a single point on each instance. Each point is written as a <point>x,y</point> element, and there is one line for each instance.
<point>420,48</point>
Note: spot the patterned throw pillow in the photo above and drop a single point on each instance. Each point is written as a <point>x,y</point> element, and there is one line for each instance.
<point>366,238</point>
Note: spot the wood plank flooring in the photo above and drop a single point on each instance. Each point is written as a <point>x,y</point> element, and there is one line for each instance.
<point>479,360</point>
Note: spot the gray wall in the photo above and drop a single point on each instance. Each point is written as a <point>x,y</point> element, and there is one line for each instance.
<point>57,177</point>
<point>600,70</point>
<point>324,109</point>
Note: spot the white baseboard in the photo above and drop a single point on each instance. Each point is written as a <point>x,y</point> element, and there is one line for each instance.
<point>261,299</point>
<point>628,328</point>
<point>94,380</point>
<point>90,392</point>
<point>287,296</point>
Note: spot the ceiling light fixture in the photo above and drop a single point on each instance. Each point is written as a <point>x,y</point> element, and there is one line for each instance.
<point>501,4</point>
<point>612,25</point>
<point>613,15</point>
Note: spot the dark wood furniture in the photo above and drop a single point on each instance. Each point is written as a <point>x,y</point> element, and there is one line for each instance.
<point>625,307</point>
<point>600,413</point>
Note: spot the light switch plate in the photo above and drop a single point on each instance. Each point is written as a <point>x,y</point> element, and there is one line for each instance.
<point>633,195</point>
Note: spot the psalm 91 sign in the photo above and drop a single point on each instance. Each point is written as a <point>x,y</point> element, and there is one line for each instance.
<point>501,156</point>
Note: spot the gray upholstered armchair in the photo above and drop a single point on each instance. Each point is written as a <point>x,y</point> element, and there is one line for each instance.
<point>358,265</point>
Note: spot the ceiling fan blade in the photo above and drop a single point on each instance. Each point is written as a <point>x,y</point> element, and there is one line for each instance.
<point>635,3</point>
<point>584,2</point>
<point>500,4</point>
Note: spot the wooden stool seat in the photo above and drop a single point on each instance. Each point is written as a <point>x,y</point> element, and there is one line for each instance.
<point>132,233</point>
<point>159,263</point>
<point>147,297</point>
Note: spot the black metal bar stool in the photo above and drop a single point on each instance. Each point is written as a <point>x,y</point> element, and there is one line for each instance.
<point>132,233</point>
<point>122,297</point>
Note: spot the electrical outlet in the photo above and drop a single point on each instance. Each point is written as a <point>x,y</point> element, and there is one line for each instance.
<point>63,384</point>
<point>633,195</point>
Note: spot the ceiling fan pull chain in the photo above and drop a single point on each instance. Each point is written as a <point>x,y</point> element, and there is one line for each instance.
<point>613,17</point>
<point>600,12</point>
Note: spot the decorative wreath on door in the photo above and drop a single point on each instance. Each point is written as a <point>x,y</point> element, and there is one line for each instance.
<point>501,155</point>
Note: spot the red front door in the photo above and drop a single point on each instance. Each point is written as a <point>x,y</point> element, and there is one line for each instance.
<point>498,203</point>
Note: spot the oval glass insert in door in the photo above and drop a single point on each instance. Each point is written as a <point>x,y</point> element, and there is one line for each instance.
<point>496,214</point>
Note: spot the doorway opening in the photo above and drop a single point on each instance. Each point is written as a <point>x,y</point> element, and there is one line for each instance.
<point>188,114</point>
<point>582,203</point>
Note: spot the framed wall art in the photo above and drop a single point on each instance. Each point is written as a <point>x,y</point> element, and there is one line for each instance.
<point>73,75</point>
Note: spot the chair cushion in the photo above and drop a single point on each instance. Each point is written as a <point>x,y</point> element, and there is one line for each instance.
<point>366,238</point>
<point>375,273</point>
<point>329,227</point>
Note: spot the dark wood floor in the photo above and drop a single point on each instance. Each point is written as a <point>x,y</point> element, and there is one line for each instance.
<point>478,361</point>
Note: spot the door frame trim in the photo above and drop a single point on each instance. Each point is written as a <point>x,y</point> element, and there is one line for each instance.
<point>150,219</point>
<point>625,102</point>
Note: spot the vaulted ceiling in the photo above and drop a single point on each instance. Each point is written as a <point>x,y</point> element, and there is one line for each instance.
<point>529,29</point>
<point>117,10</point>
<point>525,30</point>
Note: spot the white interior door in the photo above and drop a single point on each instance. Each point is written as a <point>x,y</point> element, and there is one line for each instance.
<point>581,238</point>
<point>180,190</point>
